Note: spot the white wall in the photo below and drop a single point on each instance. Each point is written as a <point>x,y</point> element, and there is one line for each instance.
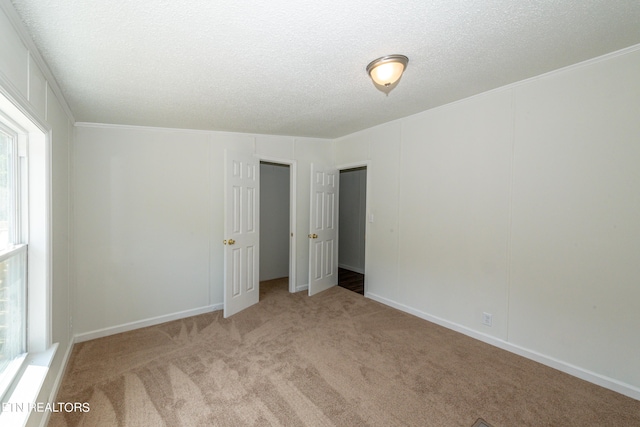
<point>380,147</point>
<point>143,224</point>
<point>274,221</point>
<point>25,78</point>
<point>521,202</point>
<point>575,235</point>
<point>454,210</point>
<point>352,206</point>
<point>149,230</point>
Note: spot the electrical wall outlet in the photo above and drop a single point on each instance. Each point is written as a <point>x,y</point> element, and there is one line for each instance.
<point>487,319</point>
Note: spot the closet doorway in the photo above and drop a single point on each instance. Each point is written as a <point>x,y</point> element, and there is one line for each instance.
<point>275,227</point>
<point>352,216</point>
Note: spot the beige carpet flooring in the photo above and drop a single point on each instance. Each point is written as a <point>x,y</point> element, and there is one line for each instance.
<point>334,359</point>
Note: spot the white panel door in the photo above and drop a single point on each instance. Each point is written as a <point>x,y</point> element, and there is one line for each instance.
<point>323,235</point>
<point>241,224</point>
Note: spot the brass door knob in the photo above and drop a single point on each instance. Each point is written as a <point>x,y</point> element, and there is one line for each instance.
<point>313,236</point>
<point>231,241</point>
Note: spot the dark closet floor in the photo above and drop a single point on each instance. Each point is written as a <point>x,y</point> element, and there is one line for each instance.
<point>351,280</point>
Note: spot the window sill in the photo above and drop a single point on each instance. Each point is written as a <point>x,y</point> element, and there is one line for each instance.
<point>10,373</point>
<point>21,397</point>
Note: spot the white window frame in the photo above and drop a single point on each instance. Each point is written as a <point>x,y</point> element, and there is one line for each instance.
<point>34,137</point>
<point>18,215</point>
<point>33,140</point>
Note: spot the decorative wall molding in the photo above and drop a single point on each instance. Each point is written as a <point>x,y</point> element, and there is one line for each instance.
<point>35,55</point>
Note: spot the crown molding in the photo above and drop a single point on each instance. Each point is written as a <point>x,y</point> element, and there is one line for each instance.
<point>34,54</point>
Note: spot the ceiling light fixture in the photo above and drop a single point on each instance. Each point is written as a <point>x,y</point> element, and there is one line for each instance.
<point>387,70</point>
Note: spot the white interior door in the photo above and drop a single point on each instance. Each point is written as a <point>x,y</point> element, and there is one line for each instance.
<point>242,236</point>
<point>323,234</point>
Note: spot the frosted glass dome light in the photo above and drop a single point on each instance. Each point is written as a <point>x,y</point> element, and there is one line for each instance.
<point>387,70</point>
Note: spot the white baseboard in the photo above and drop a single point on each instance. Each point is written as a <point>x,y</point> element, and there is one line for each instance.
<point>300,288</point>
<point>352,268</point>
<point>86,336</point>
<point>576,371</point>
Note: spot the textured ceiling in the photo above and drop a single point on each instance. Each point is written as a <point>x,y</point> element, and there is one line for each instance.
<point>298,67</point>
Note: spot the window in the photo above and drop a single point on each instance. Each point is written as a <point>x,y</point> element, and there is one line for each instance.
<point>13,257</point>
<point>25,181</point>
